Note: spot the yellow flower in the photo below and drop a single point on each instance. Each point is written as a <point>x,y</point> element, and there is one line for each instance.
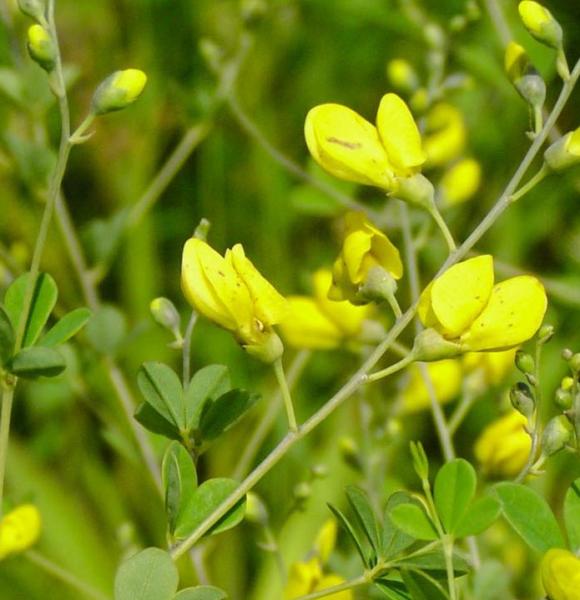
<point>461,181</point>
<point>19,530</point>
<point>541,24</point>
<point>466,312</point>
<point>318,323</point>
<point>565,152</point>
<point>560,571</point>
<point>445,135</point>
<point>493,366</point>
<point>118,91</point>
<point>402,75</point>
<point>445,375</point>
<point>349,147</point>
<point>364,248</point>
<point>41,47</point>
<point>231,292</point>
<point>504,446</point>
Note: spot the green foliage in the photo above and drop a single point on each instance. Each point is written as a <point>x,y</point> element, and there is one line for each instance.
<point>412,520</point>
<point>37,362</point>
<point>572,515</point>
<point>6,337</point>
<point>202,592</point>
<point>107,329</point>
<point>66,327</point>
<point>454,490</point>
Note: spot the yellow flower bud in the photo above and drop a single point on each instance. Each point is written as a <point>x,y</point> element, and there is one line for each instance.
<point>461,181</point>
<point>541,24</point>
<point>118,91</point>
<point>560,571</point>
<point>318,323</point>
<point>565,152</point>
<point>527,81</point>
<point>446,377</point>
<point>504,446</point>
<point>41,47</point>
<point>401,75</point>
<point>567,383</point>
<point>349,147</point>
<point>19,530</point>
<point>465,307</point>
<point>445,135</point>
<point>165,314</point>
<point>231,292</point>
<point>364,248</point>
<point>516,61</point>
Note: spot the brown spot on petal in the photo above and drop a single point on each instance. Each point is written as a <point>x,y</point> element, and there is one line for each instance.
<point>349,145</point>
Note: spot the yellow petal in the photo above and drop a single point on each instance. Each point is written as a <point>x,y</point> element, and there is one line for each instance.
<point>354,249</point>
<point>495,366</point>
<point>270,307</point>
<point>461,181</point>
<point>19,529</point>
<point>446,377</point>
<point>400,135</point>
<point>446,135</point>
<point>512,316</point>
<point>302,578</point>
<point>458,297</point>
<point>203,268</point>
<point>515,61</point>
<point>307,326</point>
<point>326,540</point>
<point>560,571</point>
<point>347,146</point>
<point>332,580</point>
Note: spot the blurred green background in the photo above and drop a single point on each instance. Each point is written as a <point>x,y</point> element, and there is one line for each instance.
<point>71,451</point>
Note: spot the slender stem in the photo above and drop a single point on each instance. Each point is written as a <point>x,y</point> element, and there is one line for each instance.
<point>392,300</point>
<point>187,347</point>
<point>448,553</point>
<point>335,589</point>
<point>532,183</point>
<point>66,577</point>
<point>499,22</point>
<point>440,221</point>
<point>361,376</point>
<point>461,411</point>
<point>260,433</point>
<point>7,398</point>
<point>286,395</point>
<point>274,548</point>
<point>394,368</point>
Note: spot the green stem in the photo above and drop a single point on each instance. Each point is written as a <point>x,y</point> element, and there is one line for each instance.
<point>335,589</point>
<point>532,183</point>
<point>361,376</point>
<point>460,412</point>
<point>448,553</point>
<point>394,368</point>
<point>538,119</point>
<point>265,425</point>
<point>7,398</point>
<point>286,395</point>
<point>60,574</point>
<point>440,221</point>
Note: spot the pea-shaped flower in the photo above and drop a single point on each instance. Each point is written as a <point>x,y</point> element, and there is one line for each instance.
<point>465,312</point>
<point>317,323</point>
<point>560,571</point>
<point>230,291</point>
<point>349,147</point>
<point>368,264</point>
<point>119,90</point>
<point>503,447</point>
<point>19,530</point>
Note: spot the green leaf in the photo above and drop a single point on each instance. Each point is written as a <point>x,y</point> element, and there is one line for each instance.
<point>179,482</point>
<point>423,587</point>
<point>156,423</point>
<point>347,526</point>
<point>202,592</point>
<point>529,514</point>
<point>394,590</point>
<point>224,412</point>
<point>454,489</point>
<point>208,383</point>
<point>366,517</point>
<point>208,496</point>
<point>394,540</point>
<point>6,337</point>
<point>572,515</point>
<point>434,560</point>
<point>148,575</point>
<point>412,519</point>
<point>162,389</point>
<point>43,301</point>
<point>66,328</point>
<point>106,329</point>
<point>481,514</point>
<point>37,362</point>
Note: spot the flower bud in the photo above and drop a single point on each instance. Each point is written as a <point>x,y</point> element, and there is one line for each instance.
<point>165,314</point>
<point>269,349</point>
<point>319,471</point>
<point>302,491</point>
<point>430,345</point>
<point>379,285</point>
<point>574,362</point>
<point>565,152</point>
<point>33,9</point>
<point>563,399</point>
<point>256,511</point>
<point>525,362</point>
<point>567,383</point>
<point>567,354</point>
<point>556,436</point>
<point>522,399</point>
<point>541,24</point>
<point>417,190</point>
<point>41,47</point>
<point>401,75</point>
<point>524,77</point>
<point>546,333</point>
<point>118,91</point>
<point>420,460</point>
